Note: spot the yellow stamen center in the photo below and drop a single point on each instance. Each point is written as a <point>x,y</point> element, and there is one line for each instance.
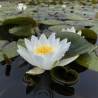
<point>43,49</point>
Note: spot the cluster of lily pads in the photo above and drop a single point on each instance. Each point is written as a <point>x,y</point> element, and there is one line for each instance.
<point>50,51</point>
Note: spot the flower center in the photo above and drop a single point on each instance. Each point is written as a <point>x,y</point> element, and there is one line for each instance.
<point>43,49</point>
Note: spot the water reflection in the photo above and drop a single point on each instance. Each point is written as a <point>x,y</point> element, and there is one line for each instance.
<point>63,90</point>
<point>43,86</point>
<point>8,70</point>
<point>43,93</point>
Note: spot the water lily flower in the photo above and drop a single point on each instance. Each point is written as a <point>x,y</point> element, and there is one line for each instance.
<point>0,6</point>
<point>72,29</point>
<point>43,53</point>
<point>21,7</point>
<point>63,7</point>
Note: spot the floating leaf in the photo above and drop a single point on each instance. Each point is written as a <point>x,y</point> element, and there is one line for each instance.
<point>89,61</point>
<point>2,43</point>
<point>10,50</point>
<point>96,15</point>
<point>58,28</point>
<point>20,20</point>
<point>90,35</point>
<point>51,22</point>
<point>78,44</point>
<point>22,30</point>
<point>21,42</point>
<point>62,76</point>
<point>76,17</point>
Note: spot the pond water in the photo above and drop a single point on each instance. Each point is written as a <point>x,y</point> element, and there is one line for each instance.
<point>12,81</point>
<point>13,86</point>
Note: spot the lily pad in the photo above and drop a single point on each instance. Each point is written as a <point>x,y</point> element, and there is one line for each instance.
<point>95,28</point>
<point>25,30</point>
<point>89,61</point>
<point>20,20</point>
<point>76,17</point>
<point>60,75</point>
<point>51,22</point>
<point>58,28</point>
<point>78,44</point>
<point>2,43</point>
<point>10,50</point>
<point>90,35</point>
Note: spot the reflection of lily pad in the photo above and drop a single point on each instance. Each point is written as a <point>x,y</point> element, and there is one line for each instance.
<point>88,60</point>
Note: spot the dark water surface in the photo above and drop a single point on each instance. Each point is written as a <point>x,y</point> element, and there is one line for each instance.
<point>13,86</point>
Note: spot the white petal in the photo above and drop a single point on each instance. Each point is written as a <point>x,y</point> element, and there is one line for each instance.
<point>24,53</point>
<point>73,30</point>
<point>39,60</point>
<point>67,61</point>
<point>28,45</point>
<point>51,38</point>
<point>20,4</point>
<point>35,71</point>
<point>49,56</point>
<point>60,54</point>
<point>43,39</point>
<point>64,41</point>
<point>48,65</point>
<point>55,43</point>
<point>79,32</point>
<point>63,30</point>
<point>65,46</point>
<point>34,40</point>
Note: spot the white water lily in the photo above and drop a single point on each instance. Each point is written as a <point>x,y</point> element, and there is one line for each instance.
<point>43,52</point>
<point>21,7</point>
<point>63,7</point>
<point>0,6</point>
<point>72,29</point>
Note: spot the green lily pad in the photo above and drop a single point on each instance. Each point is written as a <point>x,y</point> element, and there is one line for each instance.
<point>51,22</point>
<point>10,50</point>
<point>76,17</point>
<point>21,42</point>
<point>20,20</point>
<point>60,75</point>
<point>89,61</point>
<point>78,44</point>
<point>95,28</point>
<point>2,43</point>
<point>25,30</point>
<point>90,35</point>
<point>96,15</point>
<point>58,28</point>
